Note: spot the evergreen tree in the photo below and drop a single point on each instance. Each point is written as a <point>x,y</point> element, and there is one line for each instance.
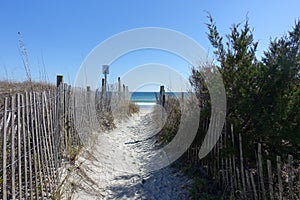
<point>263,97</point>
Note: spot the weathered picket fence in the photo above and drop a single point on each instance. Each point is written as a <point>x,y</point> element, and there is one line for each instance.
<point>280,180</point>
<point>40,131</point>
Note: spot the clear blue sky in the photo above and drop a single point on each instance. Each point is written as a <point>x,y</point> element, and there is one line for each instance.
<point>62,33</point>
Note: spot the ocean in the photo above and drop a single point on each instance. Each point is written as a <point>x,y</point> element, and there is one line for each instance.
<point>148,99</point>
<point>144,99</point>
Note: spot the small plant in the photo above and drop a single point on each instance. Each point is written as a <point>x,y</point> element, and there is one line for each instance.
<point>133,108</point>
<point>170,128</point>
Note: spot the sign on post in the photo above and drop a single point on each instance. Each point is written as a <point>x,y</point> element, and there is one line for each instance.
<point>105,69</point>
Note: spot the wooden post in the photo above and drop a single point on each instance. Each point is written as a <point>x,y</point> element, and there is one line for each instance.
<point>123,92</point>
<point>48,135</point>
<point>59,80</point>
<point>4,155</point>
<point>28,113</point>
<point>270,179</point>
<point>25,144</point>
<point>126,93</point>
<point>248,183</point>
<point>290,178</point>
<point>299,182</point>
<point>34,146</point>
<point>119,85</point>
<point>253,186</point>
<point>231,175</point>
<point>19,144</point>
<point>44,141</point>
<point>13,186</point>
<point>161,93</point>
<point>261,174</point>
<point>278,159</point>
<point>242,164</point>
<point>38,144</point>
<point>103,99</point>
<point>233,157</point>
<point>238,179</point>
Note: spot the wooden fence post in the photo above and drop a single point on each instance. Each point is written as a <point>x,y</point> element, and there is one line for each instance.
<point>290,176</point>
<point>13,131</point>
<point>126,93</point>
<point>4,156</point>
<point>162,95</point>
<point>233,158</point>
<point>19,145</point>
<point>103,99</point>
<point>253,186</point>
<point>248,183</point>
<point>242,165</point>
<point>59,80</point>
<point>124,90</point>
<point>278,159</point>
<point>29,136</point>
<point>24,105</point>
<point>38,145</point>
<point>261,175</point>
<point>271,191</point>
<point>119,85</point>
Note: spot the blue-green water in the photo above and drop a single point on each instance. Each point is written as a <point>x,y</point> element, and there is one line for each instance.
<point>144,99</point>
<point>148,99</point>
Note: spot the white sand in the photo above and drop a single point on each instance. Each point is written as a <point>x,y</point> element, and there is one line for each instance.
<point>113,169</point>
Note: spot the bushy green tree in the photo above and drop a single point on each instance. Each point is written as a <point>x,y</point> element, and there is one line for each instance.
<point>263,97</point>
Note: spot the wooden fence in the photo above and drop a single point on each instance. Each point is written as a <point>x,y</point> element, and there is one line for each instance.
<point>113,99</point>
<point>280,180</point>
<point>277,180</point>
<point>39,131</point>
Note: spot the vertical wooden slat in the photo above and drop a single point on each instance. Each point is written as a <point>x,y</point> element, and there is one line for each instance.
<point>24,105</point>
<point>13,131</point>
<point>233,158</point>
<point>253,186</point>
<point>226,156</point>
<point>45,150</point>
<point>65,147</point>
<point>56,126</point>
<point>238,180</point>
<point>46,134</point>
<point>222,177</point>
<point>231,174</point>
<point>35,157</point>
<point>271,191</point>
<point>299,182</point>
<point>4,155</point>
<point>261,175</point>
<point>30,147</point>
<point>290,176</point>
<point>45,146</point>
<point>38,146</point>
<point>19,145</point>
<point>49,112</point>
<point>242,164</point>
<point>248,190</point>
<point>280,187</point>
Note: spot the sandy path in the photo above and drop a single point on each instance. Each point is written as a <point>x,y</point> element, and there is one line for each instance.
<point>113,168</point>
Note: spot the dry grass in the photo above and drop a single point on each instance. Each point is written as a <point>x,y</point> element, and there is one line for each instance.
<point>9,88</point>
